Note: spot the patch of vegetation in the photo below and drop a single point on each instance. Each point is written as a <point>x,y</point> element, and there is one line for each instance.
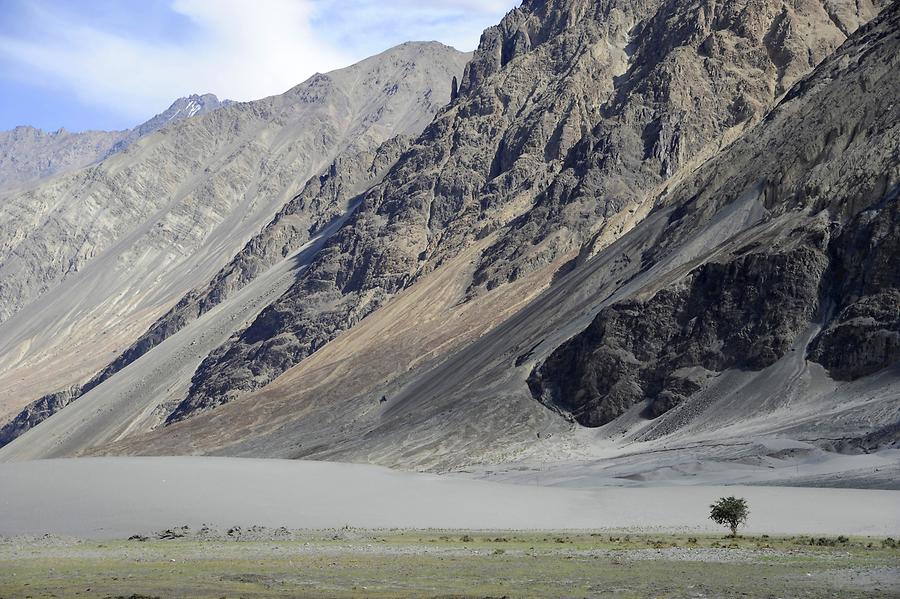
<point>415,564</point>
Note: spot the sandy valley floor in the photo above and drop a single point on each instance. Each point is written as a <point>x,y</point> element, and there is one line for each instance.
<point>119,497</point>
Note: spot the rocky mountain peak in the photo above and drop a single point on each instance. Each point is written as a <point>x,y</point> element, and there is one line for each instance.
<point>191,106</point>
<point>182,108</point>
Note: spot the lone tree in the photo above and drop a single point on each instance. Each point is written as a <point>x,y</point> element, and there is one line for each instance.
<point>730,512</point>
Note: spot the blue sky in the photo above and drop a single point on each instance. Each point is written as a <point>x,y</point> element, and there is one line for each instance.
<point>111,64</point>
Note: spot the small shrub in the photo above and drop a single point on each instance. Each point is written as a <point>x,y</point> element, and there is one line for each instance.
<point>466,539</point>
<point>692,540</point>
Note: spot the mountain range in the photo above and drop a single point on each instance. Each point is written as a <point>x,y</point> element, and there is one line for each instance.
<point>29,155</point>
<point>620,227</point>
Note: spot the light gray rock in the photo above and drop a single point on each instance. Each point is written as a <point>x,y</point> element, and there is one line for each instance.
<point>28,154</point>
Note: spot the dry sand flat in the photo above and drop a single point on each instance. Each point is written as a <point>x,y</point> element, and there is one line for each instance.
<point>118,497</point>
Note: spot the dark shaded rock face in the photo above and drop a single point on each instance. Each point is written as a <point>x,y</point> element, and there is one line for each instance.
<point>864,335</point>
<point>741,314</point>
<point>569,116</point>
<point>744,314</point>
<point>823,171</point>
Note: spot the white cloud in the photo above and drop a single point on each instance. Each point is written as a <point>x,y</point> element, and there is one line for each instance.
<point>237,49</point>
<point>458,23</point>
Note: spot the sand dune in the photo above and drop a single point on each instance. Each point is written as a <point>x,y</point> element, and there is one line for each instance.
<point>117,497</point>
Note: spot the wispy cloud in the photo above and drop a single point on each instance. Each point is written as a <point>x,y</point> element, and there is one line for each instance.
<point>238,49</point>
<point>459,23</point>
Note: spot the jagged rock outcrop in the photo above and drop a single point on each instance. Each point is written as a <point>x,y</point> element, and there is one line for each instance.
<point>698,74</point>
<point>825,164</point>
<point>37,412</point>
<point>91,259</point>
<point>569,116</point>
<point>28,155</point>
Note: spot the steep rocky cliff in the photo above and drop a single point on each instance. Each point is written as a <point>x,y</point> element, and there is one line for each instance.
<point>862,291</point>
<point>570,115</point>
<point>698,74</point>
<point>825,166</point>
